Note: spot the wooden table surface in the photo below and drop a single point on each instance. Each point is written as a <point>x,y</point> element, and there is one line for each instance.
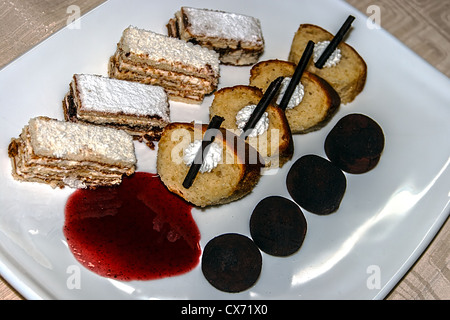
<point>423,25</point>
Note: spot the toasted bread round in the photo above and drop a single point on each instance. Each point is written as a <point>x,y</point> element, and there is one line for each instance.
<point>234,177</point>
<point>276,144</point>
<point>318,105</point>
<point>348,77</point>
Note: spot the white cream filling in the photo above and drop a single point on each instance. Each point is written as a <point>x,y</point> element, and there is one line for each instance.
<point>211,159</point>
<point>333,59</point>
<point>243,116</point>
<point>297,95</point>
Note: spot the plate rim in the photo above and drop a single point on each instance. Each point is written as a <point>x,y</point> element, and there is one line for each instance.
<point>30,289</point>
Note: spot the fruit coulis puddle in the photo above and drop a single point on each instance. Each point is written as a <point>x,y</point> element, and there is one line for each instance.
<point>135,231</point>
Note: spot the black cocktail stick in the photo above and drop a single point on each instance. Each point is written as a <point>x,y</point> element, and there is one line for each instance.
<point>270,93</point>
<point>304,60</point>
<point>208,138</point>
<point>334,42</point>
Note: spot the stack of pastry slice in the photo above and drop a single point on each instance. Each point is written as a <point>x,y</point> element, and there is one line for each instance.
<point>141,110</point>
<point>236,37</point>
<point>188,72</point>
<point>77,155</point>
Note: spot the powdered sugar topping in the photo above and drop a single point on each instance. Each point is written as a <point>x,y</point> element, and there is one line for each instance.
<point>73,141</point>
<point>159,47</point>
<point>102,94</point>
<point>221,24</point>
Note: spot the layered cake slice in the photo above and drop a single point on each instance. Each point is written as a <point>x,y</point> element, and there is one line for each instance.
<point>141,110</point>
<point>77,155</point>
<point>236,37</point>
<point>188,72</point>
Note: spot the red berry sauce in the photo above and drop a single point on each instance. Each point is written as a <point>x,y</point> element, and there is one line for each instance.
<point>135,231</point>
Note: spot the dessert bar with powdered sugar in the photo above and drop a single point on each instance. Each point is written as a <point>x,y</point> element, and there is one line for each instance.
<point>236,37</point>
<point>62,153</point>
<point>141,110</point>
<point>186,71</point>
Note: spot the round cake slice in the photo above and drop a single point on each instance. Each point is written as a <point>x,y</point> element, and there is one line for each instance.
<point>230,169</point>
<point>313,103</point>
<point>347,76</point>
<point>272,135</point>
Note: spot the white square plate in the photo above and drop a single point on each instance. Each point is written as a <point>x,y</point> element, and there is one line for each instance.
<point>386,219</point>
